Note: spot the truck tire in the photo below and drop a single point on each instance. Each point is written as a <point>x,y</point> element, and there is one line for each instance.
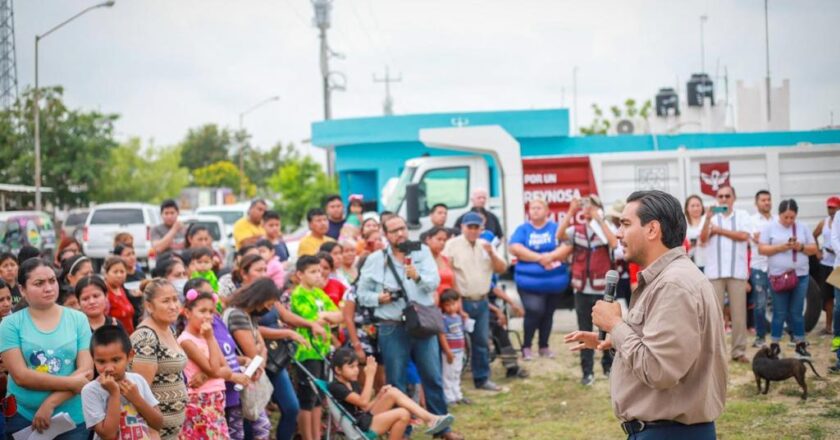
<point>813,305</point>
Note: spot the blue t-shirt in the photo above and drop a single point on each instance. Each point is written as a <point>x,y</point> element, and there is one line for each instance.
<point>531,276</point>
<point>51,352</point>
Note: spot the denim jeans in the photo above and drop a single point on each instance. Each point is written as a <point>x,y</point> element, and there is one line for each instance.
<point>284,396</point>
<point>480,337</point>
<point>760,286</point>
<point>790,306</point>
<point>836,321</point>
<point>699,431</point>
<point>397,347</point>
<point>17,422</point>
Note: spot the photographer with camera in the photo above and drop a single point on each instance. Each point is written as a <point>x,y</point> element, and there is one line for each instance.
<point>391,279</point>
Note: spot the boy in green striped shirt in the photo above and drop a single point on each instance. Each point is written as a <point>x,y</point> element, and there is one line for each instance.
<point>311,303</point>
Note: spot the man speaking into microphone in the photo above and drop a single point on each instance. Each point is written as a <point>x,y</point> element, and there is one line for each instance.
<point>668,378</point>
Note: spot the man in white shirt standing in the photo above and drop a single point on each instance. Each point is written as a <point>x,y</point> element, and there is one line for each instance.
<point>725,236</point>
<point>835,244</point>
<point>758,264</point>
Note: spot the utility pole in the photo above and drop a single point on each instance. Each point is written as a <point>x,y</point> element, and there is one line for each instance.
<point>388,104</point>
<point>703,19</point>
<point>323,8</point>
<point>8,62</point>
<point>767,57</point>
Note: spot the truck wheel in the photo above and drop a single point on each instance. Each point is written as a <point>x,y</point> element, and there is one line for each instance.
<point>813,305</point>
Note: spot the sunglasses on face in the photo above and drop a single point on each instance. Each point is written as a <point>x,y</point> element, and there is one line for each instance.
<point>724,196</point>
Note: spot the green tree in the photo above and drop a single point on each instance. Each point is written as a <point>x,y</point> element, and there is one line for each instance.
<point>601,125</point>
<point>299,184</point>
<point>75,146</point>
<point>206,145</point>
<point>142,174</point>
<point>261,165</point>
<point>223,174</point>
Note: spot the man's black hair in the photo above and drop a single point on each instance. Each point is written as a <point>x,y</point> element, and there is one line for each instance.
<point>664,208</point>
<point>314,212</point>
<point>439,205</point>
<point>169,203</point>
<point>108,334</point>
<point>760,193</point>
<point>330,198</point>
<point>256,202</point>
<point>271,215</point>
<point>306,261</point>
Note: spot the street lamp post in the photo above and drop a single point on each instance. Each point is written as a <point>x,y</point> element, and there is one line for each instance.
<point>242,142</point>
<point>37,109</point>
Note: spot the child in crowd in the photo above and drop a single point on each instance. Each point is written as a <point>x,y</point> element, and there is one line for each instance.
<point>67,298</point>
<point>120,305</point>
<point>273,268</point>
<point>118,402</point>
<point>330,283</point>
<point>452,346</point>
<point>274,234</point>
<point>205,411</point>
<point>91,293</point>
<point>5,300</point>
<point>311,303</point>
<point>388,412</point>
<point>201,266</point>
<point>355,208</point>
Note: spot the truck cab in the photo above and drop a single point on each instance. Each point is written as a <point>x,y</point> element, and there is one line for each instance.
<point>427,181</point>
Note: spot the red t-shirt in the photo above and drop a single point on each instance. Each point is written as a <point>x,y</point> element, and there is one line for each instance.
<point>335,290</point>
<point>447,276</point>
<point>121,309</point>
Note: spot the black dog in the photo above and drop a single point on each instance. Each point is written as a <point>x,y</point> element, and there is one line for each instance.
<point>767,365</point>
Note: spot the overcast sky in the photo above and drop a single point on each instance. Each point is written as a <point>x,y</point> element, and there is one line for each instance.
<point>166,66</point>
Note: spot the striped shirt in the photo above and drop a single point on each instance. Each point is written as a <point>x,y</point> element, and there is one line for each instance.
<point>727,258</point>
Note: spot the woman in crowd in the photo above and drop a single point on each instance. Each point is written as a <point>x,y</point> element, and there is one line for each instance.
<point>72,270</point>
<point>247,306</point>
<point>9,274</point>
<point>199,236</point>
<point>67,247</point>
<point>5,306</point>
<point>158,357</point>
<point>250,267</point>
<point>347,268</point>
<point>336,251</point>
<point>132,271</point>
<point>172,268</point>
<point>435,238</point>
<point>695,217</point>
<point>91,293</point>
<point>787,244</point>
<point>540,276</point>
<point>46,349</point>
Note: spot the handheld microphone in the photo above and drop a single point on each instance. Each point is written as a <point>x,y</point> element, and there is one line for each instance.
<point>609,295</point>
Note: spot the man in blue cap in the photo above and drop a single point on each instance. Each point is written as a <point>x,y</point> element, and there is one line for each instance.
<point>474,262</point>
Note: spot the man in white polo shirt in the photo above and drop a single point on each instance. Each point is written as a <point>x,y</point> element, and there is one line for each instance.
<point>725,236</point>
<point>758,264</point>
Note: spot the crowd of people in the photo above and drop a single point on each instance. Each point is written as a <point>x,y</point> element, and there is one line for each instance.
<point>201,350</point>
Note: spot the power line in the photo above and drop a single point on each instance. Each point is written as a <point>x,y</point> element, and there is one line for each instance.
<point>388,104</point>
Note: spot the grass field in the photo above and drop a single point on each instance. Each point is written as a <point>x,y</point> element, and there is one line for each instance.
<point>551,404</point>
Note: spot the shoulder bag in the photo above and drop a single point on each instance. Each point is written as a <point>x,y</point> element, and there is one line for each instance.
<point>420,321</point>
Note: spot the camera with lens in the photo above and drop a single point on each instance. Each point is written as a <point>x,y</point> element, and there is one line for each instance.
<point>396,294</point>
<point>409,246</point>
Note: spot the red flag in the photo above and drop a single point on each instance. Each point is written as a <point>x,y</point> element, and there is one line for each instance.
<point>713,176</point>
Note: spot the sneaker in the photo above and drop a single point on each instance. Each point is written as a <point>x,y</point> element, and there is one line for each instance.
<point>465,401</point>
<point>441,424</point>
<point>490,386</point>
<point>527,355</point>
<point>801,351</point>
<point>546,353</point>
<point>517,373</point>
<point>834,369</point>
<point>758,343</point>
<point>588,380</point>
<point>835,343</point>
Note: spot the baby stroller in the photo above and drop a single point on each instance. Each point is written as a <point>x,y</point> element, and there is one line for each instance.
<point>348,427</point>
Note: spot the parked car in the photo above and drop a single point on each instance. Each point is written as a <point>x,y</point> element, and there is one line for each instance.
<point>229,215</point>
<point>217,228</point>
<point>74,223</point>
<point>21,228</point>
<point>107,220</point>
